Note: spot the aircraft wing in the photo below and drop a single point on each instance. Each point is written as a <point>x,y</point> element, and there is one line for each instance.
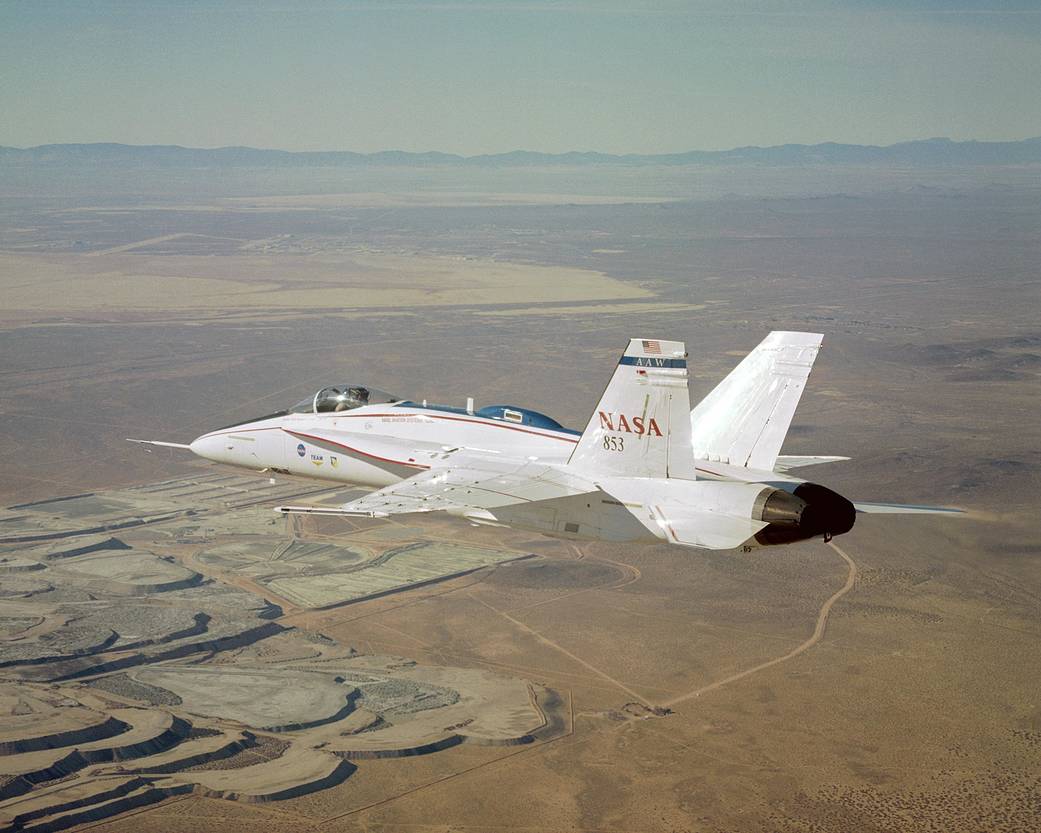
<point>461,489</point>
<point>482,494</point>
<point>903,509</point>
<point>793,461</point>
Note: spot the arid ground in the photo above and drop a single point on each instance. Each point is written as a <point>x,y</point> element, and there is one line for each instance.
<point>887,683</point>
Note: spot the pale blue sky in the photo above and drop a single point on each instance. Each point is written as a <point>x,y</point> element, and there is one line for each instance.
<point>495,76</point>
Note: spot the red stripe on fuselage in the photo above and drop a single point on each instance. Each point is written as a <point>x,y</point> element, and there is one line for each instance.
<point>317,438</point>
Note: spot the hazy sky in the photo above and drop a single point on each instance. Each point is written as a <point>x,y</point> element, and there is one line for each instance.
<point>490,76</point>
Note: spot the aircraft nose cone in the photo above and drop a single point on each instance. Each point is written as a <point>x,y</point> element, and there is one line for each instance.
<point>207,447</point>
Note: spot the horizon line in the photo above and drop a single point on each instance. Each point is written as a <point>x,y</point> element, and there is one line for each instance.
<point>827,143</point>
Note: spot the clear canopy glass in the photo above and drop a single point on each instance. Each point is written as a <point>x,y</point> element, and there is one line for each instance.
<point>338,398</point>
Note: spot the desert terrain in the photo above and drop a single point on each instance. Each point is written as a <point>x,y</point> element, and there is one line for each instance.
<point>174,657</point>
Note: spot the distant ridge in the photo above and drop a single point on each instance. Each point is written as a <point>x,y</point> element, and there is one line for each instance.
<point>925,152</point>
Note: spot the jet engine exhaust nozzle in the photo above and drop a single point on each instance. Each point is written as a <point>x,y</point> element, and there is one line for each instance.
<point>780,508</point>
<point>809,511</point>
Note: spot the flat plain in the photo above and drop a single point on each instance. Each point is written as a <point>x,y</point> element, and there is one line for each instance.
<point>163,316</point>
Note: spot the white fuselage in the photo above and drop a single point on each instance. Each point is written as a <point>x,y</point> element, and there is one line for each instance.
<point>379,445</point>
<point>375,445</point>
<point>646,467</point>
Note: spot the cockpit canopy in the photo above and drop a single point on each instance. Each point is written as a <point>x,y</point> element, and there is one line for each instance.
<point>342,398</point>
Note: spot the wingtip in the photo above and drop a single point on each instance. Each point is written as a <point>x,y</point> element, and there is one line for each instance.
<point>870,508</point>
<point>795,337</point>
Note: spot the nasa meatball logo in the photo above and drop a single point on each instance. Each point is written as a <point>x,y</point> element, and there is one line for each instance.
<point>300,450</point>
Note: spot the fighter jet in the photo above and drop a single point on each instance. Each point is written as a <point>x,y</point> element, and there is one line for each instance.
<point>646,468</point>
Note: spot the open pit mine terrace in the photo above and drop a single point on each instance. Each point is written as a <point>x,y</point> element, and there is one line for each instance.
<point>143,656</point>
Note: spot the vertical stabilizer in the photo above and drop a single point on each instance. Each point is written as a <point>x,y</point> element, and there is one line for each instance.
<point>641,426</point>
<point>744,420</point>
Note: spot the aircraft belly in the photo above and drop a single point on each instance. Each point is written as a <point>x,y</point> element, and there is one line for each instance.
<point>591,516</point>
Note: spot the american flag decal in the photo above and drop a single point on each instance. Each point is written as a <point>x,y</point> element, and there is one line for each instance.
<point>652,347</point>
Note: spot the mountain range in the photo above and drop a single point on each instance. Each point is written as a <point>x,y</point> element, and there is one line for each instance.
<point>925,152</point>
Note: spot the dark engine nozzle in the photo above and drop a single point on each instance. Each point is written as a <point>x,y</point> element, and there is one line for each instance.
<point>809,511</point>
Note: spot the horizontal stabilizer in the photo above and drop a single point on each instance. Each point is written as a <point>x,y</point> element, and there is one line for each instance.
<point>904,509</point>
<point>794,461</point>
